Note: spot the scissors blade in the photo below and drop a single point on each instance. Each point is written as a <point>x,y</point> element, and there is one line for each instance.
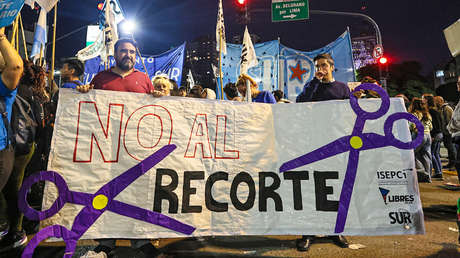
<point>374,141</point>
<point>150,217</point>
<point>118,184</point>
<point>336,147</point>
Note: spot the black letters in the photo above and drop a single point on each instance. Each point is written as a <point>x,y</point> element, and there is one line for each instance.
<point>269,192</point>
<point>296,177</point>
<point>321,191</point>
<point>166,192</point>
<point>187,191</point>
<point>211,203</point>
<point>239,178</point>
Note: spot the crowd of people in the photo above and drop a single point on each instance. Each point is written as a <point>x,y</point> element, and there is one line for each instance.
<point>22,80</point>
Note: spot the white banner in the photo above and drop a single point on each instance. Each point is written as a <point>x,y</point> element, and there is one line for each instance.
<point>223,177</point>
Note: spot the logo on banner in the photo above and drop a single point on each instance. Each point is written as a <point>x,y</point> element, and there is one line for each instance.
<point>384,193</point>
<point>393,177</point>
<point>297,72</point>
<point>401,198</point>
<point>401,217</point>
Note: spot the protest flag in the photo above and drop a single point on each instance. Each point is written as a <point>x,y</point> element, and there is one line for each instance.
<point>190,80</point>
<point>248,59</point>
<point>40,37</point>
<point>221,43</point>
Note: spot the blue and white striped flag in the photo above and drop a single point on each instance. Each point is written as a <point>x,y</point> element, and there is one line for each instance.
<point>40,37</point>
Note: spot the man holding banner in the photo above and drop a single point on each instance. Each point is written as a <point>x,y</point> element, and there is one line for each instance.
<point>123,77</point>
<point>323,87</point>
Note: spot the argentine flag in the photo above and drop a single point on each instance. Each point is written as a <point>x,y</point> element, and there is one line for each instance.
<point>40,37</point>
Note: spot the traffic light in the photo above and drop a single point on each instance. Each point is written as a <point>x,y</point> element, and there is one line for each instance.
<point>383,60</point>
<point>100,5</point>
<point>242,11</point>
<point>241,3</point>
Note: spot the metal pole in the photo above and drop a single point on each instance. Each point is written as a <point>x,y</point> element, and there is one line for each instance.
<point>51,73</point>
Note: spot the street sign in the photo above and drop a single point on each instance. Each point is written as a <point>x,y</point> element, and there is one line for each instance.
<point>289,10</point>
<point>378,52</point>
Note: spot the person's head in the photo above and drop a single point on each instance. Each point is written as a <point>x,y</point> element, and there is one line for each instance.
<point>230,91</point>
<point>209,93</point>
<point>34,79</point>
<point>197,92</point>
<point>241,85</point>
<point>183,91</point>
<point>325,64</point>
<point>125,54</point>
<point>278,94</point>
<point>72,69</point>
<point>418,104</point>
<point>162,84</point>
<point>438,101</point>
<point>428,99</point>
<point>368,79</point>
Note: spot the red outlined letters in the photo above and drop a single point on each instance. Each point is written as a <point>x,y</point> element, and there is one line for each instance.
<point>107,138</point>
<point>199,135</point>
<point>220,143</point>
<point>154,127</point>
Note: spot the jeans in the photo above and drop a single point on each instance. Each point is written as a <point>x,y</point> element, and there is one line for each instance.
<point>451,150</point>
<point>423,159</point>
<point>435,153</point>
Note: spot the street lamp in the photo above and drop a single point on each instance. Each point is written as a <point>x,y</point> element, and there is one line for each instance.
<point>128,27</point>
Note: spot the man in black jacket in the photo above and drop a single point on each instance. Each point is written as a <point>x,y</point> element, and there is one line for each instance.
<point>322,87</point>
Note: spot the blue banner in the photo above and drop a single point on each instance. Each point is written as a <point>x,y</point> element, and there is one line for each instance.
<point>288,69</point>
<point>169,63</point>
<point>297,67</point>
<point>9,9</point>
<point>265,73</point>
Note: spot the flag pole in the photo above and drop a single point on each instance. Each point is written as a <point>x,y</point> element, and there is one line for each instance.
<point>41,56</point>
<point>15,27</point>
<point>220,65</point>
<point>17,37</point>
<point>23,38</point>
<point>54,44</point>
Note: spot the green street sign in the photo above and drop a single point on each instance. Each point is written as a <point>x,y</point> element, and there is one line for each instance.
<point>289,10</point>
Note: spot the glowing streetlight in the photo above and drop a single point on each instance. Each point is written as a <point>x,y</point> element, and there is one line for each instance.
<point>128,26</point>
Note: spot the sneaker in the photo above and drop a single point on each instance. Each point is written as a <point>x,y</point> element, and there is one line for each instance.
<point>339,241</point>
<point>4,227</point>
<point>304,243</point>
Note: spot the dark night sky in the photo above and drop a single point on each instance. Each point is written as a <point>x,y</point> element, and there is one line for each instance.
<point>411,29</point>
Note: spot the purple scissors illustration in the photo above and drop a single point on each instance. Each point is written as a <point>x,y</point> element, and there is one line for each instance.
<point>359,141</point>
<point>95,205</point>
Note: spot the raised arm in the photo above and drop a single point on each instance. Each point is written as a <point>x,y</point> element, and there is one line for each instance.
<point>12,72</point>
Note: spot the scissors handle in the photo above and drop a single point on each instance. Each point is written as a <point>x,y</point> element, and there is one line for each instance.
<point>364,115</point>
<point>57,231</point>
<point>392,140</point>
<point>63,191</point>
